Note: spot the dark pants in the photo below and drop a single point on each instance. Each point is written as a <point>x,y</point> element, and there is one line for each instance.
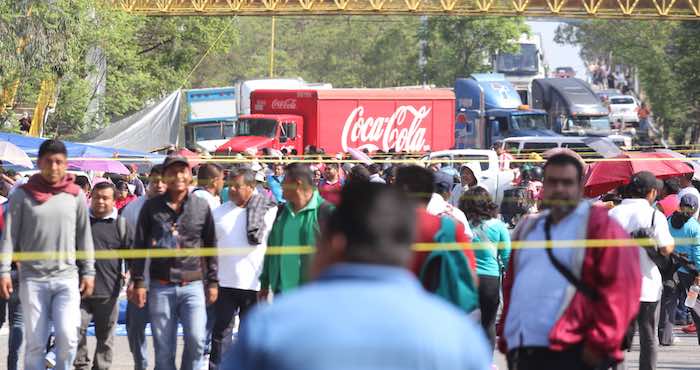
<point>12,308</point>
<point>136,320</point>
<point>104,311</point>
<point>540,358</point>
<point>489,299</point>
<point>669,302</point>
<point>646,324</point>
<point>211,319</point>
<point>230,301</point>
<point>686,283</point>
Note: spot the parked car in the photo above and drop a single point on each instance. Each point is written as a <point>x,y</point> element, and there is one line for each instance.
<point>624,107</point>
<point>600,147</point>
<point>565,72</point>
<point>606,94</point>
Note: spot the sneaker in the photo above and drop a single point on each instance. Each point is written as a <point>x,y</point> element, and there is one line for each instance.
<point>690,329</point>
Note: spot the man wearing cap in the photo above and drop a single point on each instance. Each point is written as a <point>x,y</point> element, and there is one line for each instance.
<point>635,213</point>
<point>686,183</point>
<point>176,293</point>
<point>567,307</point>
<point>137,318</point>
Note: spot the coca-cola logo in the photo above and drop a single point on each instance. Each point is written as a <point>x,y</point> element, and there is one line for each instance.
<point>402,131</point>
<point>288,104</point>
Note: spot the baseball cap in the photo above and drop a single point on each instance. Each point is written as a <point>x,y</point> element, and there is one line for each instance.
<point>169,161</point>
<point>442,182</point>
<point>643,182</point>
<point>689,201</point>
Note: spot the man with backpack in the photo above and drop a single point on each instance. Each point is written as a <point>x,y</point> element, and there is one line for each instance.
<point>567,306</point>
<point>639,218</point>
<point>297,225</point>
<point>448,272</point>
<point>109,233</point>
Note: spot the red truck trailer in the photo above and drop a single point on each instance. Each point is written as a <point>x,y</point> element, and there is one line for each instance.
<point>405,120</point>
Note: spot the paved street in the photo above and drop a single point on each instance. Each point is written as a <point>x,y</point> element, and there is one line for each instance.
<point>682,356</point>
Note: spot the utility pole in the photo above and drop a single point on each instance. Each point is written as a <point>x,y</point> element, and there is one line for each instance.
<point>272,48</point>
<point>423,58</point>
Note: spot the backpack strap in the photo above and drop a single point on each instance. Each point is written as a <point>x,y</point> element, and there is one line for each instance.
<point>563,270</point>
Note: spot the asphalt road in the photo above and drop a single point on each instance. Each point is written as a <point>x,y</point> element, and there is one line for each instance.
<point>682,356</point>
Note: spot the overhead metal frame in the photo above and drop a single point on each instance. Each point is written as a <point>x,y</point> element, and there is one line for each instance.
<point>588,9</point>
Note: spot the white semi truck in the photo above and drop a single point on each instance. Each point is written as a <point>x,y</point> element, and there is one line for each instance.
<point>523,66</point>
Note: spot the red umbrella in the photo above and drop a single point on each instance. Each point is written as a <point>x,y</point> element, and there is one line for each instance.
<point>191,156</point>
<point>609,174</point>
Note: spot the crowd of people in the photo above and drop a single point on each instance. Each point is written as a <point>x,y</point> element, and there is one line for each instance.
<point>409,268</point>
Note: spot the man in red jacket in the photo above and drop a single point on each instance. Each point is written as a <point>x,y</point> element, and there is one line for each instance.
<point>568,306</point>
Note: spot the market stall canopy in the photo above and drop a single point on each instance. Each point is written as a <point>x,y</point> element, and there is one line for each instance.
<point>30,145</point>
<point>153,127</point>
<point>13,154</point>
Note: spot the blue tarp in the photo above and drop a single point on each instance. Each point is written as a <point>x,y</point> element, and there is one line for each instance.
<point>31,145</point>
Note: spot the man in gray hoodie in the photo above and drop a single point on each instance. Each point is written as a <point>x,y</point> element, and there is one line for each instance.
<point>49,215</point>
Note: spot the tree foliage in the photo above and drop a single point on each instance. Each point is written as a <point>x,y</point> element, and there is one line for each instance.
<point>667,58</point>
<point>146,58</point>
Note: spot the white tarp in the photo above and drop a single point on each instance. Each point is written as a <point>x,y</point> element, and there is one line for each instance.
<point>154,127</point>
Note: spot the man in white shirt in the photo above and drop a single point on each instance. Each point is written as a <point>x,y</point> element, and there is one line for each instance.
<point>687,187</point>
<point>210,181</point>
<point>635,213</point>
<point>243,225</point>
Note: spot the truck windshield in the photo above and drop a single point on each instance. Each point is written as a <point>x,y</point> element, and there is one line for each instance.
<point>523,62</point>
<point>590,123</point>
<point>256,127</point>
<point>529,122</point>
<point>219,131</point>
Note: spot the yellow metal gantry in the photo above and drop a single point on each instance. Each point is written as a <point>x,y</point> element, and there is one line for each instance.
<point>588,9</point>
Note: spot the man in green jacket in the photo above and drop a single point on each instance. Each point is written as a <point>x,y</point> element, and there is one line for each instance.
<point>297,225</point>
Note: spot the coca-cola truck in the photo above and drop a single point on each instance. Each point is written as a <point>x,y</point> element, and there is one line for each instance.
<point>413,120</point>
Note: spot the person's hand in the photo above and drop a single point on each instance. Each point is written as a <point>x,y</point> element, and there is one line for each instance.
<point>590,357</point>
<point>263,294</point>
<point>697,280</point>
<point>138,297</point>
<point>87,285</point>
<point>130,291</point>
<point>5,287</point>
<point>212,295</point>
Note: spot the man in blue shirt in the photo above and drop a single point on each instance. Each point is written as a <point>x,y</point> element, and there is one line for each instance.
<point>364,310</point>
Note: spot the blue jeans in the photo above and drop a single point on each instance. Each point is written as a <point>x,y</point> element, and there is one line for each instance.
<point>14,311</point>
<point>168,305</point>
<point>55,301</point>
<point>136,319</point>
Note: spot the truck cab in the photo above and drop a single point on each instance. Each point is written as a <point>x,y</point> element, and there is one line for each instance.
<point>211,116</point>
<point>258,131</point>
<point>524,65</point>
<point>489,110</point>
<point>572,106</point>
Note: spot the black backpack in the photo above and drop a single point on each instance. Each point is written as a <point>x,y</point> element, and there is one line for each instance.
<point>664,263</point>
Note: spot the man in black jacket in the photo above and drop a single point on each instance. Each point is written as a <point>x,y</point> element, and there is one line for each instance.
<point>109,233</point>
<point>176,220</point>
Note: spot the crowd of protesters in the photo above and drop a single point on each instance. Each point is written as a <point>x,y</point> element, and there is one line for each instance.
<point>407,260</point>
